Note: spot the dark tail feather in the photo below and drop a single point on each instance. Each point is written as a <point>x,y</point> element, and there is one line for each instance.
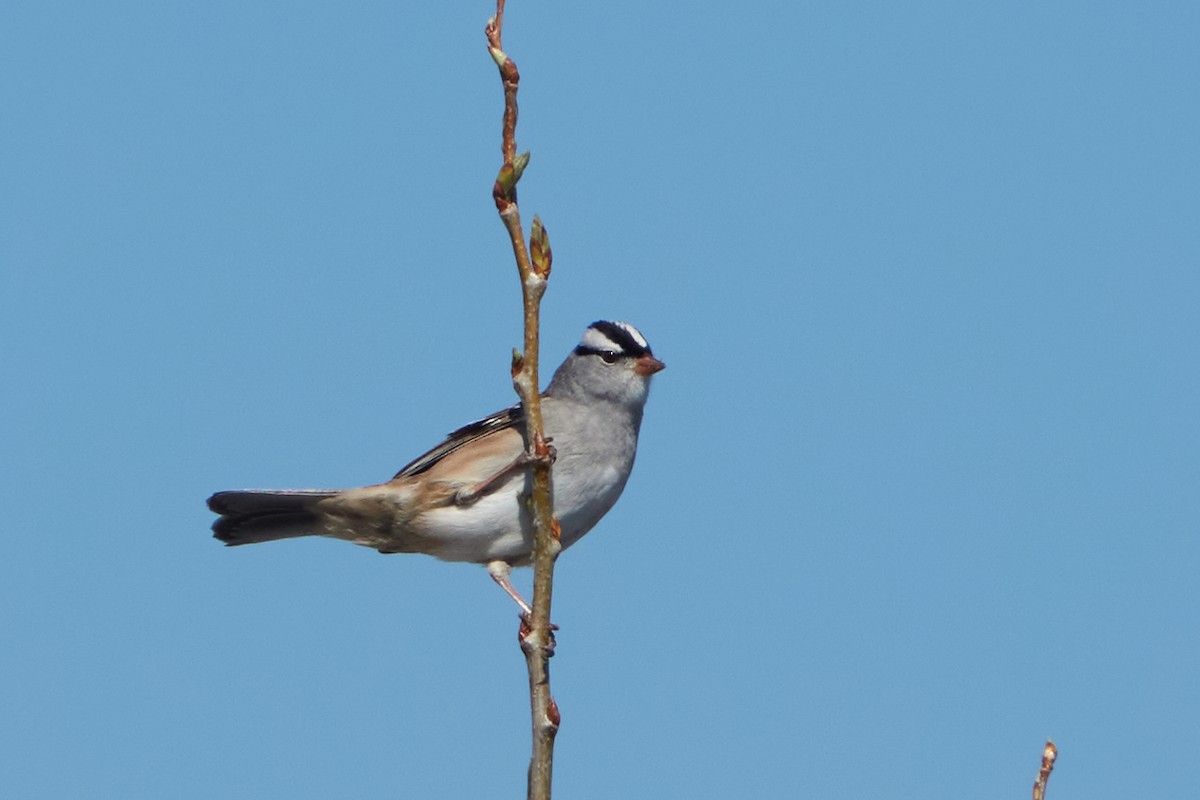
<point>262,515</point>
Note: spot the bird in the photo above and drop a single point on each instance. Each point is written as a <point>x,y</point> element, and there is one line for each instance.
<point>465,499</point>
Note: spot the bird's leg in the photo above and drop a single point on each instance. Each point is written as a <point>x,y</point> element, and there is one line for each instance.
<point>468,495</point>
<point>499,570</point>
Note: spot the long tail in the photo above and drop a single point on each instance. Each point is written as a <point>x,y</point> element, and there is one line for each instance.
<point>263,515</point>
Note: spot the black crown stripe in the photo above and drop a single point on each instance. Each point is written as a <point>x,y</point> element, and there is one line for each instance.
<point>618,335</point>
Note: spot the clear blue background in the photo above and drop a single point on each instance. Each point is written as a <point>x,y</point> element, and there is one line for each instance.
<point>917,490</point>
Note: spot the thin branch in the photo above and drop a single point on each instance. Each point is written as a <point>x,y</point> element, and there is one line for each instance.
<point>533,265</point>
<point>1048,755</point>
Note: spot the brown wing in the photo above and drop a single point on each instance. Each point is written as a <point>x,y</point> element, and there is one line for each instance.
<point>513,417</point>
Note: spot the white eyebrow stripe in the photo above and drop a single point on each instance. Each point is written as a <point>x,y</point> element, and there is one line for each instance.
<point>595,340</point>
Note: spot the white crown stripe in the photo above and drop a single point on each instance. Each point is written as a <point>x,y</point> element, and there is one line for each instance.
<point>634,333</point>
<point>595,339</point>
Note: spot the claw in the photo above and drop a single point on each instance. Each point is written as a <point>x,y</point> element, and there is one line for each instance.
<point>526,629</point>
<point>468,495</point>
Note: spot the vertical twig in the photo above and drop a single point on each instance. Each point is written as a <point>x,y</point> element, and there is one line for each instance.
<point>533,264</point>
<point>1048,755</point>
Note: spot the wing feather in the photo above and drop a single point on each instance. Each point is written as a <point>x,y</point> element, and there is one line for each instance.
<point>512,417</point>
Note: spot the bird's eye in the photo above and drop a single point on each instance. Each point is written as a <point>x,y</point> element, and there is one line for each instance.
<point>609,356</point>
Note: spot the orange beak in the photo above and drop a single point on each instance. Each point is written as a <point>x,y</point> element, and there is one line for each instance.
<point>648,365</point>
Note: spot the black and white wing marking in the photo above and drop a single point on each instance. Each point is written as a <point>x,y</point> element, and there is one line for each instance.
<point>511,417</point>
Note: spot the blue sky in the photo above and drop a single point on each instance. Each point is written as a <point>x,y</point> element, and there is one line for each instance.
<point>917,490</point>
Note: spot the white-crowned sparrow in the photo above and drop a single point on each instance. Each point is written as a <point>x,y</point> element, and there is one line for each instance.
<point>463,500</point>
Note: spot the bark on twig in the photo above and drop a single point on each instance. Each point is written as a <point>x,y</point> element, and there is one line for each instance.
<point>533,264</point>
<point>1048,755</point>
